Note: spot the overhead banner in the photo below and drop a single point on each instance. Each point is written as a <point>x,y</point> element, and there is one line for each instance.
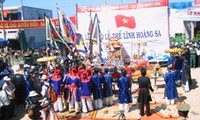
<point>27,24</point>
<point>197,1</point>
<point>132,24</point>
<point>185,14</point>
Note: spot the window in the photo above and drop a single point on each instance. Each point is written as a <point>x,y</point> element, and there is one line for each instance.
<point>12,31</point>
<point>13,16</point>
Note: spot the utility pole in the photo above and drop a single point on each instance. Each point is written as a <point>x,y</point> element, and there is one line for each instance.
<point>2,18</point>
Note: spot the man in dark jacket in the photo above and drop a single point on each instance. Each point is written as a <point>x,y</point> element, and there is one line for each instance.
<point>143,92</point>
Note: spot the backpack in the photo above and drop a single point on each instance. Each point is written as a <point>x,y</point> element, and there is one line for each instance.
<point>51,93</point>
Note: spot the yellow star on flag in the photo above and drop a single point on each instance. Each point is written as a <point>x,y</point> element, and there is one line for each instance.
<point>125,21</point>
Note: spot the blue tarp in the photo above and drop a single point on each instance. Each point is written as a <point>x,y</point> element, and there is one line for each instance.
<point>3,43</point>
<point>158,58</point>
<point>180,5</point>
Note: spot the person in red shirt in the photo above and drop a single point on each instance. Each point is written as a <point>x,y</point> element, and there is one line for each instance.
<point>129,70</point>
<point>116,75</point>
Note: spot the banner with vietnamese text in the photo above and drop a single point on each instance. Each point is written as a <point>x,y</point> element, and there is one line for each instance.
<point>139,27</point>
<point>27,24</point>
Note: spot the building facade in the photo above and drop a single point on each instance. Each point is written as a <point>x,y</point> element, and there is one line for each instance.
<point>25,38</point>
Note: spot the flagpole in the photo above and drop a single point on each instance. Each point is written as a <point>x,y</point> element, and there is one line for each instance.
<point>90,46</point>
<point>76,16</point>
<point>2,18</point>
<point>90,40</point>
<point>98,43</point>
<point>168,20</point>
<point>21,2</point>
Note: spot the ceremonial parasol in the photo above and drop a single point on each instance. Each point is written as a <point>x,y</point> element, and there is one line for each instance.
<point>173,50</point>
<point>3,43</point>
<point>46,59</point>
<point>139,43</point>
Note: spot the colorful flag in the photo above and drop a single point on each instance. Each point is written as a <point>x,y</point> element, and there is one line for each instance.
<point>62,26</point>
<point>124,21</point>
<point>95,34</point>
<point>52,34</point>
<point>80,45</point>
<point>90,24</point>
<point>78,38</point>
<point>67,29</point>
<point>49,34</point>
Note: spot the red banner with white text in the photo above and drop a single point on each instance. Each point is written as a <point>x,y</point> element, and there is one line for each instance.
<point>160,3</point>
<point>197,1</point>
<point>27,24</point>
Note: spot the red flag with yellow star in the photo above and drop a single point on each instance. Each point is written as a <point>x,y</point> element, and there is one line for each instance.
<point>125,21</point>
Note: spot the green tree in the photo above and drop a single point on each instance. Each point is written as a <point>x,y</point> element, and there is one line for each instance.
<point>179,38</point>
<point>196,37</point>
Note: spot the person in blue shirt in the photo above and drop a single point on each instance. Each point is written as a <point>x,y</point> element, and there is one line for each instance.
<point>124,94</point>
<point>107,87</point>
<point>96,81</point>
<point>185,71</point>
<point>170,87</point>
<point>171,60</point>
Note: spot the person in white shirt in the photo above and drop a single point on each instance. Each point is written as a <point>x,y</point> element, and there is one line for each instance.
<point>44,94</point>
<point>9,87</point>
<point>4,104</point>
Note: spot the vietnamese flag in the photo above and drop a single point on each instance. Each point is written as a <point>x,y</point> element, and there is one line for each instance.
<point>124,21</point>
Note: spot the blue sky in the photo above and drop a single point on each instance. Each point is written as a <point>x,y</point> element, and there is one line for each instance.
<point>68,6</point>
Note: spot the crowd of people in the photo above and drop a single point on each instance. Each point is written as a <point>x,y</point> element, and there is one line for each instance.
<point>77,84</point>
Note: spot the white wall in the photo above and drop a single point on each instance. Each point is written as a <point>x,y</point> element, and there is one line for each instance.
<point>176,26</point>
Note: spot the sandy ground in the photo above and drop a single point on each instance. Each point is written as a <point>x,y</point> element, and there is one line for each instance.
<point>192,98</point>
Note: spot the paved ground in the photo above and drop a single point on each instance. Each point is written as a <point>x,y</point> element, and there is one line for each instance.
<point>158,107</point>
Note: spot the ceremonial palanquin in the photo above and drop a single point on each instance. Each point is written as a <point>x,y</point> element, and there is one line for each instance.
<point>114,49</point>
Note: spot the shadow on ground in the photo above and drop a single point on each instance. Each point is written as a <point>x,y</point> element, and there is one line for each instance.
<point>161,86</point>
<point>182,98</point>
<point>194,84</point>
<point>133,107</point>
<point>160,107</point>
